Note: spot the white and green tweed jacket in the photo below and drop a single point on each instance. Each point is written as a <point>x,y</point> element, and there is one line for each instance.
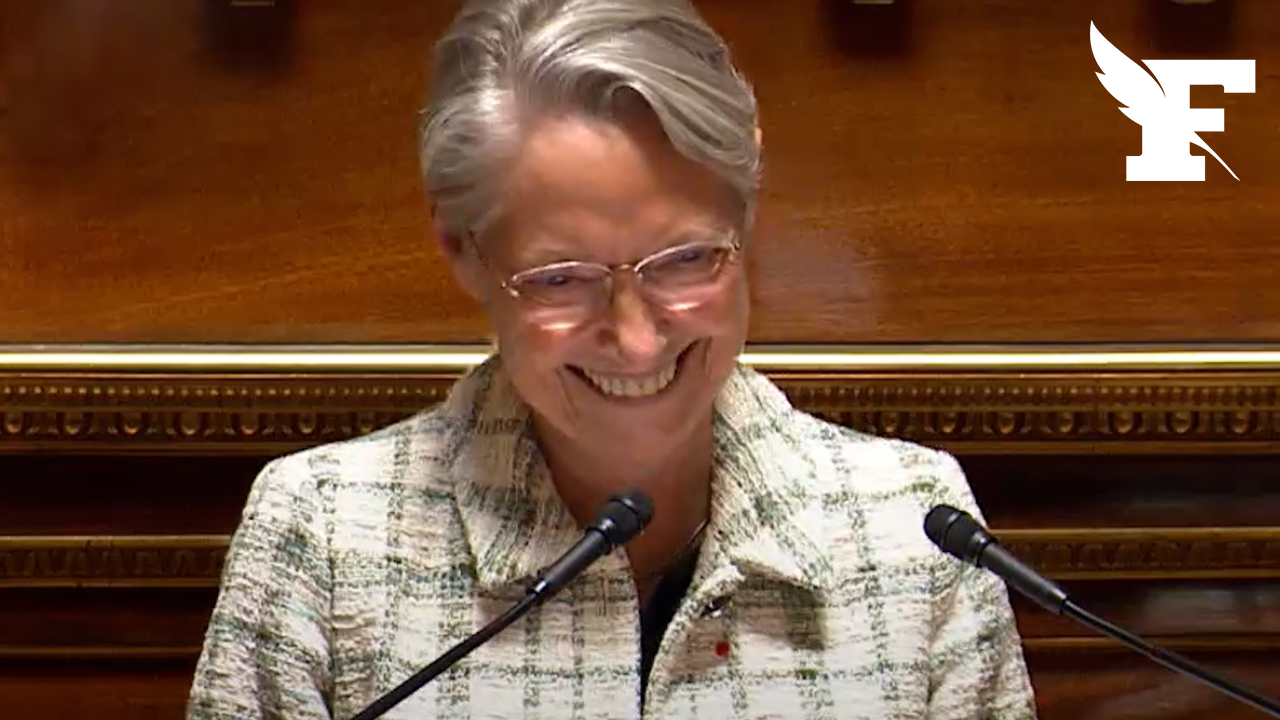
<point>816,595</point>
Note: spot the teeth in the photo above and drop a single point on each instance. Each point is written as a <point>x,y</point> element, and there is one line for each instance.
<point>632,387</point>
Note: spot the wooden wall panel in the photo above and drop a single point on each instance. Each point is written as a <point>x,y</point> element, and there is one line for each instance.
<point>937,171</point>
<point>136,690</point>
<point>1118,686</point>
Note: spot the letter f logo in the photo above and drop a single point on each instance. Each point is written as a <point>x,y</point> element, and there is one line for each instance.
<point>1162,106</point>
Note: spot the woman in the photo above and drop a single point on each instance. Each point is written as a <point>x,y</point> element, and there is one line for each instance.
<point>593,167</point>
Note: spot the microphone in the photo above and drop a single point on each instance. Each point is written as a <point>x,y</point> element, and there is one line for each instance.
<point>616,524</point>
<point>959,535</point>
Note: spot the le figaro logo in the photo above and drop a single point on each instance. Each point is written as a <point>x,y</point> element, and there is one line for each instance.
<point>1162,106</point>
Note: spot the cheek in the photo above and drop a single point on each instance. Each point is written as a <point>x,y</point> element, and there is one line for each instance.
<point>725,317</point>
<point>534,356</point>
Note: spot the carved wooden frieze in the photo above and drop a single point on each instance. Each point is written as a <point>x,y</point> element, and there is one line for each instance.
<point>1151,554</point>
<point>1127,412</point>
<point>196,561</point>
<point>207,411</point>
<point>1147,412</point>
<point>127,561</point>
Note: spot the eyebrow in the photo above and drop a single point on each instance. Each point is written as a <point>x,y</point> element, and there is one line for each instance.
<point>546,255</point>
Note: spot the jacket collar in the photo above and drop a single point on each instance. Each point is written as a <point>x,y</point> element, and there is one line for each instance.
<point>766,518</point>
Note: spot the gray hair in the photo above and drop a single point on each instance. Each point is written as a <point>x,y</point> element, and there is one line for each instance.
<point>502,61</point>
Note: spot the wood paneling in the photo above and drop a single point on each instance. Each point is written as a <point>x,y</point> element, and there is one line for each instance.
<point>108,624</point>
<point>83,494</point>
<point>1114,490</point>
<point>137,690</point>
<point>937,171</point>
<point>1120,686</point>
<point>1184,614</point>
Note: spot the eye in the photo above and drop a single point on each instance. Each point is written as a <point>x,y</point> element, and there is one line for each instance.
<point>551,280</point>
<point>691,255</point>
<point>557,279</point>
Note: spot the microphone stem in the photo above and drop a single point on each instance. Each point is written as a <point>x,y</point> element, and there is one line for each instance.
<point>1171,660</point>
<point>445,661</point>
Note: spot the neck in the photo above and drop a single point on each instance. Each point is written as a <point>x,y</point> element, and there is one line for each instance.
<point>679,482</point>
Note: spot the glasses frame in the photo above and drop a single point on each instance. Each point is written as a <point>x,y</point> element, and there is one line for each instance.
<point>730,241</point>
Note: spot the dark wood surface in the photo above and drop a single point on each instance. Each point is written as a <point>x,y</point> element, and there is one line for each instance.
<point>1118,686</point>
<point>137,690</point>
<point>937,171</point>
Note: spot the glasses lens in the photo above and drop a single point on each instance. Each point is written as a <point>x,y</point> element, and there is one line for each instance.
<point>686,270</point>
<point>566,285</point>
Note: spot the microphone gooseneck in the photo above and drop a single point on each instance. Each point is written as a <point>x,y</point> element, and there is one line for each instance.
<point>617,523</point>
<point>958,534</point>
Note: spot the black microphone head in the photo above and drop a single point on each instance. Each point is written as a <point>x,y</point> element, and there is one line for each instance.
<point>956,532</point>
<point>624,516</point>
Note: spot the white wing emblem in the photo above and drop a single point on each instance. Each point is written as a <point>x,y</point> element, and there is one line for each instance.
<point>1131,84</point>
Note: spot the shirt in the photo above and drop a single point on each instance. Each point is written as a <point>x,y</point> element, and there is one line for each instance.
<point>815,593</point>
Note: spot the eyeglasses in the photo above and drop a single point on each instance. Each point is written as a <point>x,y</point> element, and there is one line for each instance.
<point>677,278</point>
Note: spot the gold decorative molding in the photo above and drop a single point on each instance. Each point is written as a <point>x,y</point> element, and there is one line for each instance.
<point>1105,554</point>
<point>211,413</point>
<point>1235,553</point>
<point>103,561</point>
<point>1010,412</point>
<point>1034,411</point>
<point>1176,643</point>
<point>231,399</point>
<point>456,358</point>
<point>184,653</point>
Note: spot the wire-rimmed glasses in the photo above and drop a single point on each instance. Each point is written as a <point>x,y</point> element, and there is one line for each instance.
<point>677,278</point>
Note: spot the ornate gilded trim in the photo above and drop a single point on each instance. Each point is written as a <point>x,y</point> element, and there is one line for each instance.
<point>1007,399</point>
<point>456,358</point>
<point>1106,554</point>
<point>1176,643</point>
<point>183,653</point>
<point>1149,553</point>
<point>1222,411</point>
<point>105,561</point>
<point>208,412</point>
<point>1034,412</point>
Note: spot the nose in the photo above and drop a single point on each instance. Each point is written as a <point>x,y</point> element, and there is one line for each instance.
<point>634,323</point>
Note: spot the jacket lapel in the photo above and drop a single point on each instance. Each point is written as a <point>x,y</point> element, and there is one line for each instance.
<point>513,520</point>
<point>768,505</point>
<point>767,520</point>
<point>768,524</point>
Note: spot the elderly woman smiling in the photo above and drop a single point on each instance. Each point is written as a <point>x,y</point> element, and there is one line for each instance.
<point>593,167</point>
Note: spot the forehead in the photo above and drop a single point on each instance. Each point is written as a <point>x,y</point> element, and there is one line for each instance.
<point>607,191</point>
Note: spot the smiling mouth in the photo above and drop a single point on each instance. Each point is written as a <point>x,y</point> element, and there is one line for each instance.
<point>616,386</point>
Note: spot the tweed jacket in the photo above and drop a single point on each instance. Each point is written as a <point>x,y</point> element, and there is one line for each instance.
<point>816,594</point>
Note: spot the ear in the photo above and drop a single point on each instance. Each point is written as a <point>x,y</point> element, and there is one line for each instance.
<point>759,135</point>
<point>467,269</point>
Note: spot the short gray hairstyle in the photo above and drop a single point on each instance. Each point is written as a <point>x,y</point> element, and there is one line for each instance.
<point>504,61</point>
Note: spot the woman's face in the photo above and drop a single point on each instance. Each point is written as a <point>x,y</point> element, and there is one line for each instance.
<point>633,375</point>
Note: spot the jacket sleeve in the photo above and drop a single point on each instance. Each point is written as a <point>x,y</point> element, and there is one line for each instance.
<point>266,648</point>
<point>977,668</point>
